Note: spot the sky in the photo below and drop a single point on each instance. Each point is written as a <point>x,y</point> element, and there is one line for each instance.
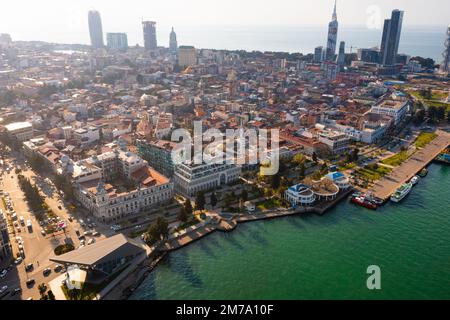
<point>66,20</point>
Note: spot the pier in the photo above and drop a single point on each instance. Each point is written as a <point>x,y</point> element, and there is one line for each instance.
<point>385,187</point>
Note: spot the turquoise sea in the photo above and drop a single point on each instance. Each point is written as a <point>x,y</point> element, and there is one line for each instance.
<point>313,257</point>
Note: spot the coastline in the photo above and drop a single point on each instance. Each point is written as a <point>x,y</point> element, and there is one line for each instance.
<point>125,288</point>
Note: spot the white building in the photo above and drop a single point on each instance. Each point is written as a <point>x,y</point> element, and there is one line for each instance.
<point>87,135</point>
<point>300,195</point>
<point>337,142</point>
<point>22,131</point>
<point>191,179</point>
<point>393,108</point>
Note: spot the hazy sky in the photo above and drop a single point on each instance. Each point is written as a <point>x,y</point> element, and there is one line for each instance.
<point>66,20</point>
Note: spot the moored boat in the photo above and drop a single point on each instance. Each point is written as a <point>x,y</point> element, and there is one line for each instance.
<point>401,192</point>
<point>415,180</point>
<point>423,173</point>
<point>364,201</point>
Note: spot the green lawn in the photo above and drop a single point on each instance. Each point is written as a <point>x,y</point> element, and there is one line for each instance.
<point>269,204</point>
<point>425,138</point>
<point>373,172</point>
<point>396,160</point>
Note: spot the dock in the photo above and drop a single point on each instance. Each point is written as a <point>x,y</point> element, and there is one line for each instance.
<point>385,187</point>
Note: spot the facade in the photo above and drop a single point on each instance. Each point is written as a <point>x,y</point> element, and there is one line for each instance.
<point>150,42</point>
<point>87,135</point>
<point>332,36</point>
<point>318,54</point>
<point>22,131</point>
<point>395,109</point>
<point>173,44</point>
<point>5,245</point>
<point>158,155</point>
<point>445,65</point>
<point>369,55</point>
<point>300,195</point>
<point>106,256</point>
<point>337,142</point>
<point>340,180</point>
<point>391,38</point>
<point>95,29</point>
<point>187,56</point>
<point>110,203</point>
<point>117,41</point>
<point>340,60</point>
<point>191,179</point>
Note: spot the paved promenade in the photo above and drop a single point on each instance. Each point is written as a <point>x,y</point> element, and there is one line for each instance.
<point>419,160</point>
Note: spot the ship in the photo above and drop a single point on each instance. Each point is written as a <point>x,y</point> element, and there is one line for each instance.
<point>444,158</point>
<point>415,180</point>
<point>423,173</point>
<point>364,200</point>
<point>401,192</point>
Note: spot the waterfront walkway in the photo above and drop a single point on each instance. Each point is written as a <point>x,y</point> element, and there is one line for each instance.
<point>385,187</point>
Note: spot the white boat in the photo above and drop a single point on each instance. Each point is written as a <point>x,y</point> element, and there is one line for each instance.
<point>415,180</point>
<point>402,192</point>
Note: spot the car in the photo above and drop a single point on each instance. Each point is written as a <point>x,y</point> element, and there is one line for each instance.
<point>29,267</point>
<point>88,233</point>
<point>82,242</point>
<point>3,289</point>
<point>46,272</point>
<point>95,234</point>
<point>43,232</point>
<point>18,260</point>
<point>3,273</point>
<point>70,218</point>
<point>58,268</point>
<point>16,291</point>
<point>91,241</point>
<point>90,226</point>
<point>59,207</point>
<point>30,282</point>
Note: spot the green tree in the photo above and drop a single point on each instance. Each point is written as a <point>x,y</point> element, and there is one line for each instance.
<point>200,201</point>
<point>314,157</point>
<point>302,171</point>
<point>244,195</point>
<point>188,207</point>
<point>213,199</point>
<point>50,295</point>
<point>182,215</point>
<point>275,181</point>
<point>419,117</point>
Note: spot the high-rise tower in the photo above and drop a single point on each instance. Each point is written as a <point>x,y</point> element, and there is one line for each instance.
<point>173,44</point>
<point>332,35</point>
<point>149,28</point>
<point>95,29</point>
<point>445,66</point>
<point>391,38</point>
<point>341,56</point>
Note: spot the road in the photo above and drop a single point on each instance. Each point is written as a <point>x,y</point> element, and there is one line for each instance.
<point>38,248</point>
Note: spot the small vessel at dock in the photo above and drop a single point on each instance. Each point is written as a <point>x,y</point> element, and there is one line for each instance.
<point>444,158</point>
<point>415,180</point>
<point>423,173</point>
<point>364,200</point>
<point>402,192</point>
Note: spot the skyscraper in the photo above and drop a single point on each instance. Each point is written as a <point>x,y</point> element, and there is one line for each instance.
<point>173,44</point>
<point>445,67</point>
<point>95,29</point>
<point>332,35</point>
<point>341,56</point>
<point>117,41</point>
<point>149,28</point>
<point>318,54</point>
<point>391,38</point>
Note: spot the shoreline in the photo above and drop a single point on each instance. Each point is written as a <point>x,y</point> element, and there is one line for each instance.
<point>223,225</point>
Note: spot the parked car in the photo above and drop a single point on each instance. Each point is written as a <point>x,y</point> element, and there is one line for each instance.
<point>3,289</point>
<point>16,291</point>
<point>58,268</point>
<point>46,272</point>
<point>3,273</point>
<point>91,241</point>
<point>30,282</point>
<point>29,267</point>
<point>18,260</point>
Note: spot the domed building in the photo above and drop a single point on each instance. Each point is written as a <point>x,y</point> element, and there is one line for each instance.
<point>339,179</point>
